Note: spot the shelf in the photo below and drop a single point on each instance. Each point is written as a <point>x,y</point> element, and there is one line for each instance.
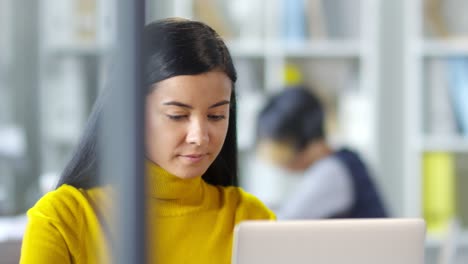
<point>446,48</point>
<point>77,50</point>
<point>312,49</point>
<point>434,242</point>
<point>254,48</point>
<point>323,48</point>
<point>450,144</point>
<point>247,48</point>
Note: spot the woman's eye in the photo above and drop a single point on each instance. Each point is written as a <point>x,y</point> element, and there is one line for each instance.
<point>177,117</point>
<point>216,117</point>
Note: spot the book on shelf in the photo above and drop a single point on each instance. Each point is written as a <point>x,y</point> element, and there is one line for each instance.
<point>208,11</point>
<point>316,19</point>
<point>438,191</point>
<point>65,110</point>
<point>293,21</point>
<point>445,18</point>
<point>458,85</point>
<point>435,24</point>
<point>454,14</point>
<point>461,168</point>
<point>246,17</point>
<point>343,18</point>
<point>303,19</point>
<point>85,20</point>
<point>440,116</point>
<point>72,23</point>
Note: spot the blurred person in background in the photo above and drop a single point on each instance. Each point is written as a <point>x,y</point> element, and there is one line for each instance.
<point>191,163</point>
<point>335,183</point>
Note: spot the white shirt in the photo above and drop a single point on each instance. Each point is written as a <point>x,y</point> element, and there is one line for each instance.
<point>325,190</point>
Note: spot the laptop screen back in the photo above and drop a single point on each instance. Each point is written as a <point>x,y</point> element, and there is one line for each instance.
<point>364,241</point>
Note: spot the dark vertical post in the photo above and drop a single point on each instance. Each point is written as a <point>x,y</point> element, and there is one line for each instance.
<point>122,135</point>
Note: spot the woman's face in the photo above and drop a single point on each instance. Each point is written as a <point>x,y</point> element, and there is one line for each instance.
<point>187,121</point>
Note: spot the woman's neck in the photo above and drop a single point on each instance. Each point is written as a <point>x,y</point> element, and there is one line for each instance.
<point>165,185</point>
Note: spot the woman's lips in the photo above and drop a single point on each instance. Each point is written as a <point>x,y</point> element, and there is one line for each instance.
<point>193,158</point>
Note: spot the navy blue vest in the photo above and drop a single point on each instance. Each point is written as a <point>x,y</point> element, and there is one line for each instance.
<point>367,202</point>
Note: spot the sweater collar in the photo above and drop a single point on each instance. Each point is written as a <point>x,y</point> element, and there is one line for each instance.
<point>163,185</point>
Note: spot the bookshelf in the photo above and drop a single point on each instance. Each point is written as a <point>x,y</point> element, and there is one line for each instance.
<point>432,42</point>
<point>337,55</point>
<point>17,100</point>
<point>74,47</point>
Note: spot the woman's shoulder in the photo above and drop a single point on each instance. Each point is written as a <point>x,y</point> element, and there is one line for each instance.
<point>248,206</point>
<point>66,202</point>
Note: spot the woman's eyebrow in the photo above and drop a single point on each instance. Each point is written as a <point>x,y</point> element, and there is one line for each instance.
<point>175,103</point>
<point>220,103</point>
<point>178,104</point>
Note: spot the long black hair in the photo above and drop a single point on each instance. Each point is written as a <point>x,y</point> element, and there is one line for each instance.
<point>295,116</point>
<point>172,47</point>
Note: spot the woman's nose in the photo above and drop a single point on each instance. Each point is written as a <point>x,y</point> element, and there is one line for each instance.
<point>198,133</point>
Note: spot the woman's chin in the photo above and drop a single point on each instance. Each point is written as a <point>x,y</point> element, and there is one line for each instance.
<point>190,172</point>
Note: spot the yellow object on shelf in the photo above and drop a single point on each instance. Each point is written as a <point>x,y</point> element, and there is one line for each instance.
<point>292,75</point>
<point>438,190</point>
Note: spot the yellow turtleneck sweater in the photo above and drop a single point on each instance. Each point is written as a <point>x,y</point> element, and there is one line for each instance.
<point>193,222</point>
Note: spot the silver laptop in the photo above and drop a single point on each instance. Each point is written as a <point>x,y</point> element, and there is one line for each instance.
<point>364,241</point>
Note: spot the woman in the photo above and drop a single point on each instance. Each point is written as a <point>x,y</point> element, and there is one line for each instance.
<point>191,163</point>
